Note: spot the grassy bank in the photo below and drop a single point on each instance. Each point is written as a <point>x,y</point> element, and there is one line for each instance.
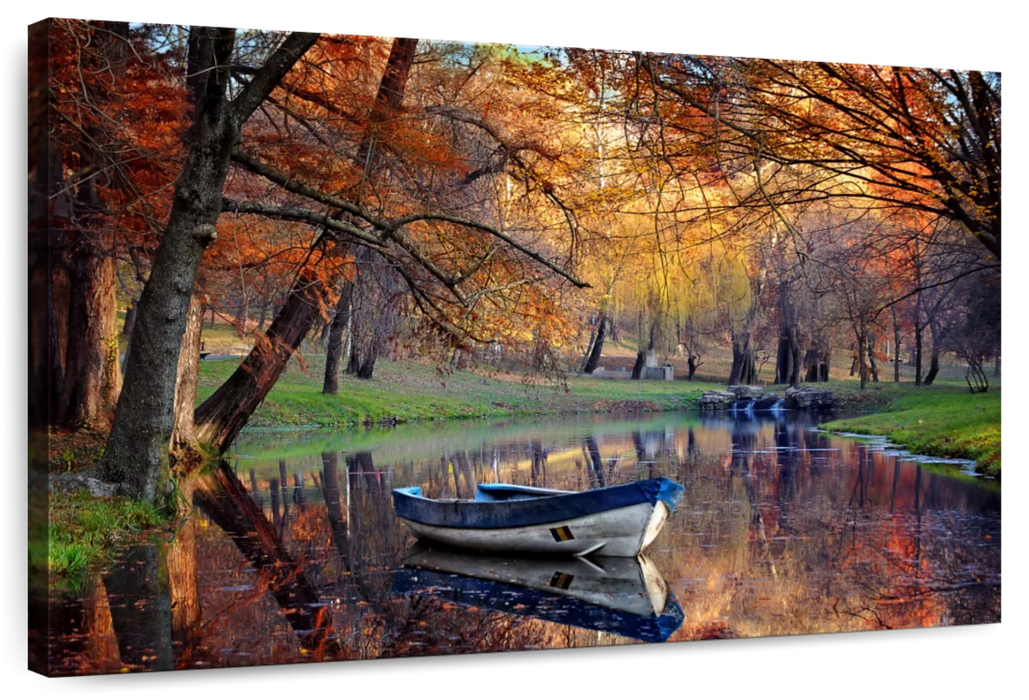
<point>410,391</point>
<point>942,421</point>
<point>85,530</point>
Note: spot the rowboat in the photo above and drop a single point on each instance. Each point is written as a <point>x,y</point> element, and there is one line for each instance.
<point>616,521</point>
<point>622,595</point>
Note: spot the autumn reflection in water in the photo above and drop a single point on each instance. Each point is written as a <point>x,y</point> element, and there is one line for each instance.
<point>292,553</point>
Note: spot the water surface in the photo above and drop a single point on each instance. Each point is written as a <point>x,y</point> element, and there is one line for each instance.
<point>292,552</point>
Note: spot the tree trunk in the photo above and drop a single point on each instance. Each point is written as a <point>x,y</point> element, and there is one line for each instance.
<point>373,314</point>
<point>817,361</point>
<point>918,354</point>
<point>92,376</point>
<point>334,351</point>
<point>367,368</point>
<point>220,418</point>
<point>996,365</point>
<point>795,347</point>
<point>130,325</point>
<point>787,367</point>
<point>872,366</point>
<point>637,368</point>
<point>136,455</point>
<point>589,348</point>
<point>593,360</point>
<point>896,346</point>
<point>934,366</point>
<point>692,364</point>
<point>264,313</point>
<point>184,439</point>
<point>743,369</point>
<point>44,365</point>
<point>130,320</point>
<point>354,361</point>
<point>862,367</point>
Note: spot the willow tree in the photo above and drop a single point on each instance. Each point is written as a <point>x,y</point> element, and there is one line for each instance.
<point>916,138</point>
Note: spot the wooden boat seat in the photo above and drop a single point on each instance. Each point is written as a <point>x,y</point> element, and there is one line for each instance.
<point>511,492</point>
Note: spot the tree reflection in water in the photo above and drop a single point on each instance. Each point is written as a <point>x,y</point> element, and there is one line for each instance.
<point>781,531</point>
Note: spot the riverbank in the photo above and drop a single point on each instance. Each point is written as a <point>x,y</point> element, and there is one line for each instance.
<point>404,391</point>
<point>943,420</point>
<point>939,421</point>
<point>84,530</point>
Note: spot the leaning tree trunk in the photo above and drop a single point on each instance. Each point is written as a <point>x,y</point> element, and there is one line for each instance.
<point>637,367</point>
<point>934,366</point>
<point>223,499</point>
<point>692,365</point>
<point>136,456</point>
<point>334,351</point>
<point>219,419</point>
<point>589,348</point>
<point>130,320</point>
<point>593,360</point>
<point>130,324</point>
<point>934,356</point>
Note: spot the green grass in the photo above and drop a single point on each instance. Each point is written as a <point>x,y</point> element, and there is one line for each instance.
<point>411,391</point>
<point>941,421</point>
<point>84,530</point>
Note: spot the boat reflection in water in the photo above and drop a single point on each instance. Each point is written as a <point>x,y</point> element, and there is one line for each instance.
<point>621,595</point>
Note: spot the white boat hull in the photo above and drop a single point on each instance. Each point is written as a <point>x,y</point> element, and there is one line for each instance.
<point>619,532</point>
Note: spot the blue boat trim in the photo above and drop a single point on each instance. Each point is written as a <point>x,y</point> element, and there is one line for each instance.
<point>410,504</point>
<point>530,602</point>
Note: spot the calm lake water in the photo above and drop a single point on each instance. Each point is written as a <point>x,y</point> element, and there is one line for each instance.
<point>292,552</point>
